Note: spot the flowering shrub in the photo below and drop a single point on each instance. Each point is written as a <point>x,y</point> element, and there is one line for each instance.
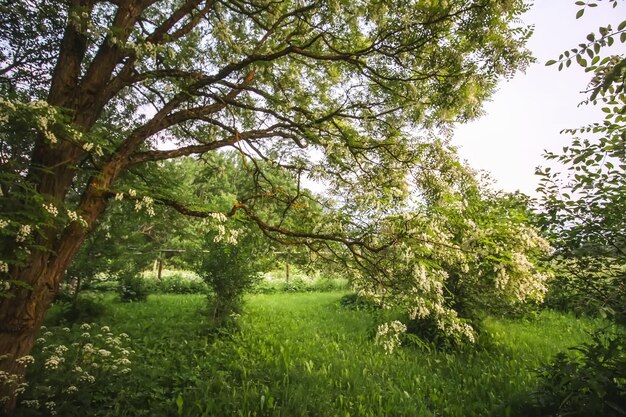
<point>73,368</point>
<point>470,254</point>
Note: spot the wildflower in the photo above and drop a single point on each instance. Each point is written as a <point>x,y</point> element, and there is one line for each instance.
<point>85,326</point>
<point>53,362</point>
<point>71,389</point>
<point>31,403</point>
<point>50,208</point>
<point>4,267</point>
<point>25,360</point>
<point>119,196</point>
<point>104,353</point>
<point>23,233</point>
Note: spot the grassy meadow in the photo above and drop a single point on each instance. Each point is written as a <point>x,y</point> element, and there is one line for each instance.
<point>303,354</point>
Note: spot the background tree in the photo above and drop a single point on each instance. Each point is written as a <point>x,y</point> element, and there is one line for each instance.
<point>584,213</point>
<point>585,204</point>
<point>326,89</point>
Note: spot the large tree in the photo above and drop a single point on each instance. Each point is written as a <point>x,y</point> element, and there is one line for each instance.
<point>339,91</point>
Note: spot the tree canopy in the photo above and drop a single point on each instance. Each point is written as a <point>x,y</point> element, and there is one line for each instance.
<point>351,93</point>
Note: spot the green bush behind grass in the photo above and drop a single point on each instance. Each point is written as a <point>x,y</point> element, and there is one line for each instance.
<point>305,355</point>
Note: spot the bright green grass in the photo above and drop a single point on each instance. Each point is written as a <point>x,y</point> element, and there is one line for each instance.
<point>304,355</point>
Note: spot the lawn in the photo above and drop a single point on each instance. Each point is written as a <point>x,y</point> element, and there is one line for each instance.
<point>305,355</point>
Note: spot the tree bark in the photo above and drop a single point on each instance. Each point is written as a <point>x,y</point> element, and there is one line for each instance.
<point>22,313</point>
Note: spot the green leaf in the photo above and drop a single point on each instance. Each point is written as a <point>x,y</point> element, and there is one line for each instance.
<point>550,62</point>
<point>580,13</point>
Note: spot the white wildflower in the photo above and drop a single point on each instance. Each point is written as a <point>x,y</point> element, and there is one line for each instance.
<point>23,233</point>
<point>25,360</point>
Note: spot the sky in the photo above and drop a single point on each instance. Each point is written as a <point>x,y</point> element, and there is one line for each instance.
<point>527,113</point>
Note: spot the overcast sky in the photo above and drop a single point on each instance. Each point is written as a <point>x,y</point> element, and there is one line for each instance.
<point>527,113</point>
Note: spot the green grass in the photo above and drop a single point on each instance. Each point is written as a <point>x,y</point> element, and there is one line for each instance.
<point>305,355</point>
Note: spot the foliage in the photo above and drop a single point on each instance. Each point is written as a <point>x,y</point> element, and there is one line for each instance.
<point>584,205</point>
<point>588,382</point>
<point>302,354</point>
<point>349,93</point>
<point>176,282</point>
<point>299,283</point>
<point>84,308</point>
<point>76,368</point>
<point>132,286</point>
<point>230,270</point>
<point>466,253</point>
<point>354,301</point>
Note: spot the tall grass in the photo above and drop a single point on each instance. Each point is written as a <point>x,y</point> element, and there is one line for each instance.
<point>304,355</point>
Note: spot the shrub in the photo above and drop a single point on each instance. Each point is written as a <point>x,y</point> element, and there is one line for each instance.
<point>356,302</point>
<point>588,382</point>
<point>230,272</point>
<point>132,287</point>
<point>82,309</point>
<point>176,282</point>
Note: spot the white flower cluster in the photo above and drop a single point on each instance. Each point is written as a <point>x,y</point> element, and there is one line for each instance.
<point>228,236</point>
<point>147,203</point>
<point>388,335</point>
<point>3,223</point>
<point>51,208</point>
<point>75,217</point>
<point>93,148</point>
<point>23,233</point>
<point>83,359</point>
<point>45,115</point>
<point>25,360</point>
<point>220,217</point>
<point>4,267</point>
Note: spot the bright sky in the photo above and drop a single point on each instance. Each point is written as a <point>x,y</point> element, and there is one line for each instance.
<point>527,113</point>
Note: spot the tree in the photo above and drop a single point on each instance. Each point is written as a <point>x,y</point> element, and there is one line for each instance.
<point>457,253</point>
<point>584,205</point>
<point>328,90</point>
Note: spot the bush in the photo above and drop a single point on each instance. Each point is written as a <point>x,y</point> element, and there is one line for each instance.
<point>356,302</point>
<point>132,287</point>
<point>177,282</point>
<point>588,382</point>
<point>230,272</point>
<point>65,377</point>
<point>82,309</point>
<point>300,284</point>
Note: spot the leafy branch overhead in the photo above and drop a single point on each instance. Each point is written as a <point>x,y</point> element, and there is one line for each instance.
<point>97,97</point>
<point>584,206</point>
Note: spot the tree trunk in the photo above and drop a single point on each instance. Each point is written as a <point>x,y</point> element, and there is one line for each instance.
<point>22,313</point>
